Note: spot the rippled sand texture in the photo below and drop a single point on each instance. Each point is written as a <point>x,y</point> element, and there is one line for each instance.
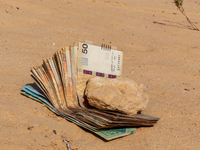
<point>160,51</point>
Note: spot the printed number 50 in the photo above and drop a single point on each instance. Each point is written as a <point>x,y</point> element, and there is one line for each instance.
<point>84,50</point>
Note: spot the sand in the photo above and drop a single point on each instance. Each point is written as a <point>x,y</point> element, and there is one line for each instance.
<point>160,51</point>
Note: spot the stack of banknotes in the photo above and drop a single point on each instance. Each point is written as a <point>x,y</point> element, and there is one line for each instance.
<point>60,82</point>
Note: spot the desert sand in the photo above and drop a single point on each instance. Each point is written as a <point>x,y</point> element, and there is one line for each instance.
<point>160,51</point>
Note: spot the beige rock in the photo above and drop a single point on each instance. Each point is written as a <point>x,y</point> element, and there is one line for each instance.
<point>121,94</point>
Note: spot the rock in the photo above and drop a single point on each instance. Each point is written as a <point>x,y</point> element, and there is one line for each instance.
<point>121,94</point>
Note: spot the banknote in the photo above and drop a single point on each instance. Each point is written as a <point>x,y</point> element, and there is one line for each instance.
<point>95,61</point>
<point>28,89</point>
<point>99,60</point>
<point>35,89</point>
<point>110,134</point>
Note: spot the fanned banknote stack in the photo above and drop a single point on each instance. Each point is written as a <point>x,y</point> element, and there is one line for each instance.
<point>61,80</point>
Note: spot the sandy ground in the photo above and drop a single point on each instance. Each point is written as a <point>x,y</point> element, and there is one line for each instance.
<point>160,51</point>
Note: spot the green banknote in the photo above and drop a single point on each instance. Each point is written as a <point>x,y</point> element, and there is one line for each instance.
<point>110,134</point>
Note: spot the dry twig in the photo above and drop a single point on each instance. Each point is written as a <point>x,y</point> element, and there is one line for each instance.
<point>67,144</point>
<point>179,4</point>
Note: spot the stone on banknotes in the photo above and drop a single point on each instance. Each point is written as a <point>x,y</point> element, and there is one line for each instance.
<point>121,94</point>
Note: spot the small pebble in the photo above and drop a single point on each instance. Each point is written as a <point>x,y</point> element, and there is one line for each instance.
<point>54,131</point>
<point>30,127</point>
